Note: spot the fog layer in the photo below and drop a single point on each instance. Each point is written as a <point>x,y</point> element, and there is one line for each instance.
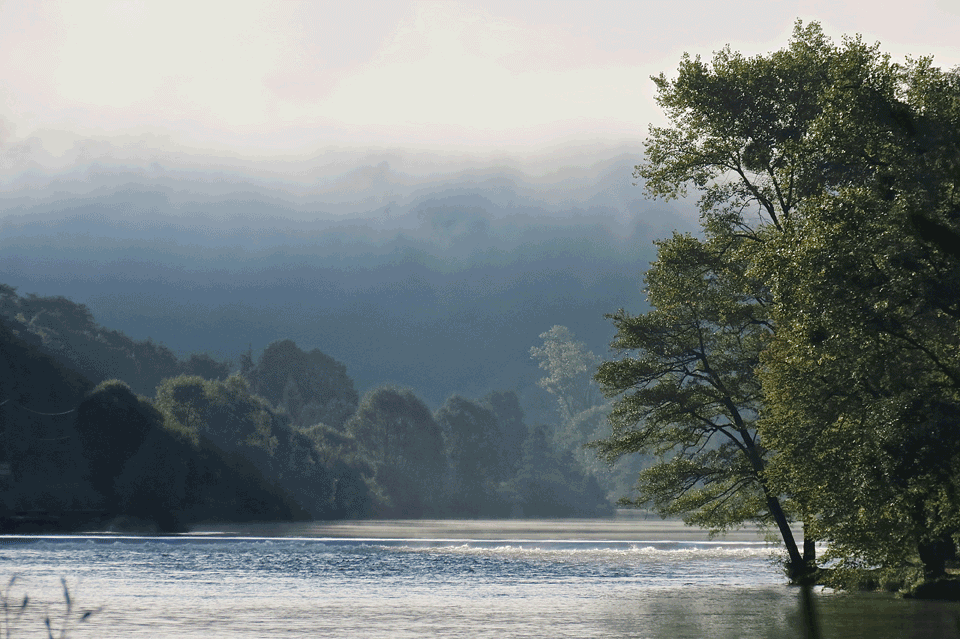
<point>438,280</point>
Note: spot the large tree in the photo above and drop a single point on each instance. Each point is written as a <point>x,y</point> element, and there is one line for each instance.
<point>833,172</point>
<point>864,374</point>
<point>399,437</point>
<point>472,446</point>
<point>687,393</point>
<point>687,384</point>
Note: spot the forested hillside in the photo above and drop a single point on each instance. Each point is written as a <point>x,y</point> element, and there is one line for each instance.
<point>104,430</point>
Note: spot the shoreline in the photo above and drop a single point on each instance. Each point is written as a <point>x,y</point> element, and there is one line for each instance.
<point>621,527</point>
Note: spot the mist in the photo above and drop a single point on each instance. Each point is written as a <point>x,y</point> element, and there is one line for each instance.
<point>436,280</point>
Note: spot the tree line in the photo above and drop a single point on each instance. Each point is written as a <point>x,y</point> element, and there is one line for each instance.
<point>801,364</point>
<point>96,422</point>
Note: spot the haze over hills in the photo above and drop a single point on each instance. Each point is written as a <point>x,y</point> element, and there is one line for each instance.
<point>439,280</point>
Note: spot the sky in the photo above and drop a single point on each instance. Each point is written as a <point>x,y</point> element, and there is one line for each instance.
<point>257,81</point>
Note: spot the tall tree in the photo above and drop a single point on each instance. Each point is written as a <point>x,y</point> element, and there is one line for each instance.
<point>569,367</point>
<point>398,435</point>
<point>837,170</point>
<point>471,443</point>
<point>687,392</point>
<point>865,372</point>
<point>511,429</point>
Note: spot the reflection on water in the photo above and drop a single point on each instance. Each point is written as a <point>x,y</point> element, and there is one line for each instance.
<point>606,578</point>
<point>626,526</point>
<point>864,615</point>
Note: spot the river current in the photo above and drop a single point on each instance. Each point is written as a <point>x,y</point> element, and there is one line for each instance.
<point>615,578</point>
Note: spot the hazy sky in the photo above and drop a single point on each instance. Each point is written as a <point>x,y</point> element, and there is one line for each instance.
<point>261,79</point>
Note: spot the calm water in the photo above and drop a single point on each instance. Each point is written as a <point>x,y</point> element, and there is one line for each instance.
<point>608,578</point>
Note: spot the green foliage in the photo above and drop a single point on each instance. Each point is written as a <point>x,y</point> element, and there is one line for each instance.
<point>511,429</point>
<point>158,485</point>
<point>569,366</point>
<point>224,412</point>
<point>112,424</point>
<point>737,131</point>
<point>207,448</point>
<point>204,366</point>
<point>581,409</point>
<point>472,446</point>
<point>47,469</point>
<point>828,179</point>
<point>35,377</point>
<point>311,387</point>
<point>225,418</point>
<point>355,492</point>
<point>177,474</point>
<point>67,331</point>
<point>865,370</point>
<point>686,389</point>
<point>398,436</point>
<point>552,484</point>
<point>498,467</point>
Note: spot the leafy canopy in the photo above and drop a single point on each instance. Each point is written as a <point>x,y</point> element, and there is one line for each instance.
<point>824,314</point>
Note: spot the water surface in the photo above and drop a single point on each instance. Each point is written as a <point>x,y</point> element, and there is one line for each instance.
<point>614,578</point>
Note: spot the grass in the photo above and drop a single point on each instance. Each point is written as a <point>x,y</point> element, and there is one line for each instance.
<point>57,627</point>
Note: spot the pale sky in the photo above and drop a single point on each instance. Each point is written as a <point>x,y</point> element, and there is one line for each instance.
<point>290,79</point>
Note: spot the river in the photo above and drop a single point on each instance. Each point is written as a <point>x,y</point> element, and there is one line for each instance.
<point>612,578</point>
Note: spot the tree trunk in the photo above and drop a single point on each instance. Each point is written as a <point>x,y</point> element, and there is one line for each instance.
<point>934,555</point>
<point>796,567</point>
<point>809,548</point>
